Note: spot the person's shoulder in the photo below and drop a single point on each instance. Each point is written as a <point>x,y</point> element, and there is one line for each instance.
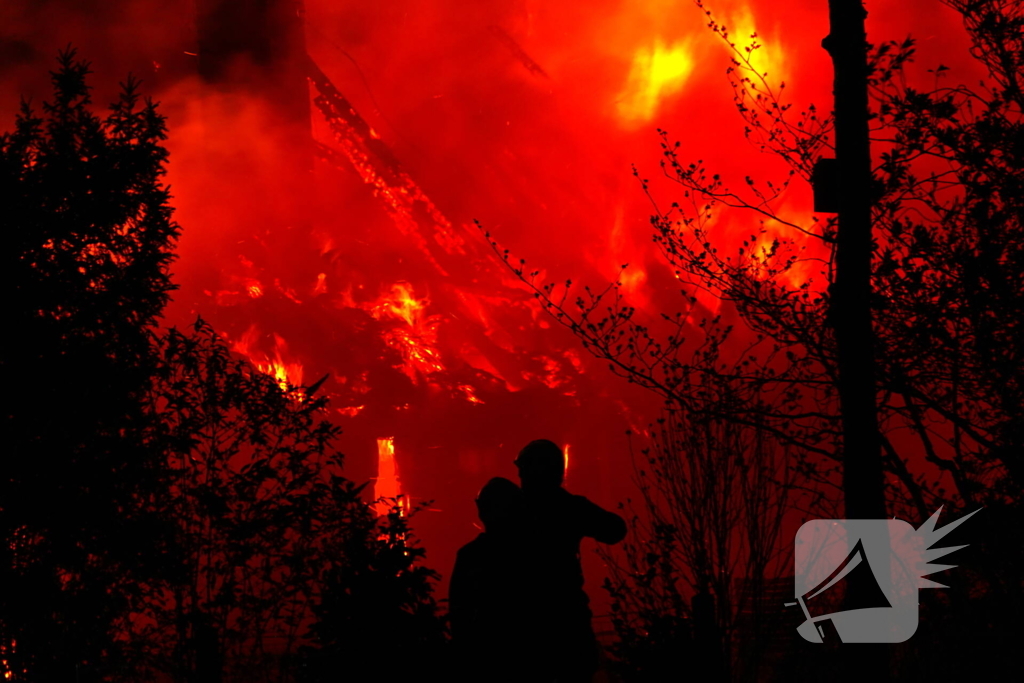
<point>474,547</point>
<point>582,501</point>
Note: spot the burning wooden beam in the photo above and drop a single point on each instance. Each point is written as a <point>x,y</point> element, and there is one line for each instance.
<point>408,205</point>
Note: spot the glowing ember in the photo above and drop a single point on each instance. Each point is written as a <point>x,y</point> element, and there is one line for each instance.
<point>469,393</point>
<point>4,663</point>
<point>351,411</point>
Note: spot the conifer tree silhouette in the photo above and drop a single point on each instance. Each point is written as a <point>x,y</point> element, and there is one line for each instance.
<point>89,239</point>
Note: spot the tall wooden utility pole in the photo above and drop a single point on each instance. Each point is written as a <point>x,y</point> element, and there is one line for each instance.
<point>849,311</point>
<point>850,306</point>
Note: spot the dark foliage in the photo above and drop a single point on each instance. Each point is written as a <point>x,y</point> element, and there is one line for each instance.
<point>272,548</point>
<point>376,612</point>
<point>88,237</point>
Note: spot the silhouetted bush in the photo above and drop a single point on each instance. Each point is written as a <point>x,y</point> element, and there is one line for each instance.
<point>272,548</point>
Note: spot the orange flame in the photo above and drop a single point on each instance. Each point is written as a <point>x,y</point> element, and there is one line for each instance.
<point>321,284</point>
<point>287,374</point>
<point>470,393</point>
<point>351,411</point>
<point>387,484</point>
<point>401,303</point>
<point>417,339</point>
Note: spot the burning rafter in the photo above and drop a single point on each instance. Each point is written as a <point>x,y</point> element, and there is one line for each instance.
<point>358,146</point>
<point>411,209</point>
<point>468,291</point>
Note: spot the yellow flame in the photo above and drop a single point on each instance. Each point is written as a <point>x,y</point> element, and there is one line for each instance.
<point>470,393</point>
<point>418,342</point>
<point>743,32</point>
<point>286,374</point>
<point>276,370</point>
<point>401,303</point>
<point>659,71</point>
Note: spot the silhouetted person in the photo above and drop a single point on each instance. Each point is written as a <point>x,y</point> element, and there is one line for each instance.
<point>485,594</point>
<point>562,644</point>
